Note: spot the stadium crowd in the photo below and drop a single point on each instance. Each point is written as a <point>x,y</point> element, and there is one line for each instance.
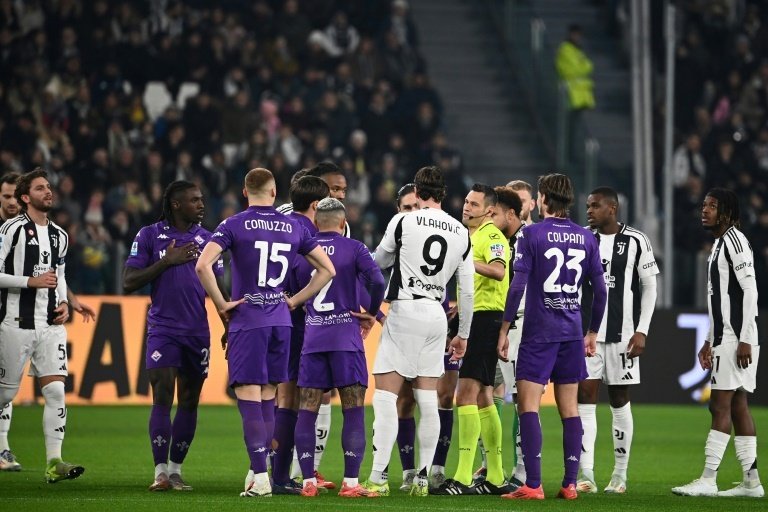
<point>117,99</point>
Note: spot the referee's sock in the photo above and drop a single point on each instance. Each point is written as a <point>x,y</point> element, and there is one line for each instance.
<point>490,432</point>
<point>469,431</point>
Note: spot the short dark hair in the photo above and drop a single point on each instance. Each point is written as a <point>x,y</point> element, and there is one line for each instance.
<point>24,182</point>
<point>404,191</point>
<point>171,193</point>
<point>728,211</point>
<point>10,178</point>
<point>488,192</point>
<point>429,183</point>
<point>558,190</point>
<point>508,199</point>
<point>307,190</point>
<point>606,192</point>
<point>324,168</point>
<point>298,175</point>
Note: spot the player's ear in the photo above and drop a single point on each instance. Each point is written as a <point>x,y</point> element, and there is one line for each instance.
<point>245,192</point>
<point>342,222</point>
<point>313,206</point>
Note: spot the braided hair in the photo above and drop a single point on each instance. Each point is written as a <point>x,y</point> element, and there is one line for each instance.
<point>171,193</point>
<point>728,212</point>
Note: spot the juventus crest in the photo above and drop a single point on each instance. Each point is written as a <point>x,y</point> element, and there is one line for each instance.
<point>621,247</point>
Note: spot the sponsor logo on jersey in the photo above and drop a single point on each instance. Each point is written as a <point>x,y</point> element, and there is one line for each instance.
<point>497,250</point>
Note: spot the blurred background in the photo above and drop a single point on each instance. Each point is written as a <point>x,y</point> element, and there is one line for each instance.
<point>117,99</point>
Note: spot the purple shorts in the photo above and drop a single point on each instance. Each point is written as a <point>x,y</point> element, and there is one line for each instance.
<point>562,363</point>
<point>259,356</point>
<point>190,354</point>
<point>328,370</point>
<point>451,366</point>
<point>294,354</point>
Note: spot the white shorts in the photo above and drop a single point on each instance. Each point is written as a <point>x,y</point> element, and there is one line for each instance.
<point>45,346</point>
<point>611,365</point>
<point>413,340</point>
<point>726,375</point>
<point>509,368</point>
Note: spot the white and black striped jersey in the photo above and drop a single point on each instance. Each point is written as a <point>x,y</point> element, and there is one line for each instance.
<point>627,257</point>
<point>28,250</point>
<point>731,270</point>
<point>425,249</point>
<point>287,208</point>
<point>512,253</point>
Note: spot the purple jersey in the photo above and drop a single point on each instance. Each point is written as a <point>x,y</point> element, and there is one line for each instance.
<point>329,325</point>
<point>178,298</point>
<point>299,274</point>
<point>264,244</point>
<point>556,255</point>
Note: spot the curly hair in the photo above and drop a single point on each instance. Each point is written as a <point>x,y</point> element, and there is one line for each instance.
<point>728,211</point>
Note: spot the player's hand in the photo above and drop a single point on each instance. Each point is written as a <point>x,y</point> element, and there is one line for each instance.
<point>743,355</point>
<point>290,302</point>
<point>226,309</point>
<point>502,347</point>
<point>181,254</point>
<point>452,312</point>
<point>381,319</point>
<point>366,322</point>
<point>85,310</point>
<point>44,280</point>
<point>61,313</point>
<point>457,348</point>
<point>705,356</point>
<point>590,344</point>
<point>636,345</point>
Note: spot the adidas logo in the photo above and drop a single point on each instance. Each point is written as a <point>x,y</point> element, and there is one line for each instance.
<point>628,376</point>
<point>305,455</point>
<point>32,241</point>
<point>621,451</point>
<point>60,429</point>
<point>572,458</point>
<point>162,236</point>
<point>349,453</point>
<point>713,380</point>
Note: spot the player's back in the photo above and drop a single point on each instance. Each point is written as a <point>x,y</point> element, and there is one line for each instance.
<point>558,255</point>
<point>264,244</point>
<point>429,245</point>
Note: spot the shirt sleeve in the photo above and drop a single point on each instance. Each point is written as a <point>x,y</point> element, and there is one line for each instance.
<point>495,248</point>
<point>646,263</point>
<point>385,252</point>
<point>523,258</point>
<point>741,256</point>
<point>307,242</point>
<point>6,244</point>
<point>141,250</point>
<point>222,236</point>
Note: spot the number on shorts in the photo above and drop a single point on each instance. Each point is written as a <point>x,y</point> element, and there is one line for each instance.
<point>206,354</point>
<point>576,256</point>
<point>717,364</point>
<point>625,360</point>
<point>426,253</point>
<point>62,352</point>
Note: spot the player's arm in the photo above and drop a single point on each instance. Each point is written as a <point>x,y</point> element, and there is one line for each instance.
<point>493,270</point>
<point>648,296</point>
<point>87,312</point>
<point>465,280</point>
<point>514,296</point>
<point>45,280</point>
<point>385,252</point>
<point>493,259</point>
<point>204,269</point>
<point>599,298</point>
<point>744,268</point>
<point>325,272</point>
<point>136,278</point>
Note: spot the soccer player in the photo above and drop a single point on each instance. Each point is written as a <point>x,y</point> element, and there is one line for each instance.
<point>552,260</point>
<point>425,248</point>
<point>333,355</point>
<point>33,290</point>
<point>163,255</point>
<point>478,416</point>
<point>263,243</point>
<point>9,208</point>
<point>630,274</point>
<point>446,388</point>
<point>305,194</point>
<point>334,176</point>
<point>731,349</point>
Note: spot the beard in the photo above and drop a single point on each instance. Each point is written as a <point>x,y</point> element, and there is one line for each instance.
<point>40,205</point>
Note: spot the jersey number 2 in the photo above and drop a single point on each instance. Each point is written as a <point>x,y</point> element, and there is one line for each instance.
<point>575,257</point>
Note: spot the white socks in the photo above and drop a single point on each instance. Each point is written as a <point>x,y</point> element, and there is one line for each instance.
<point>717,442</point>
<point>385,428</point>
<point>174,468</point>
<point>623,431</point>
<point>54,419</point>
<point>161,468</point>
<point>428,431</point>
<point>589,424</point>
<point>322,429</point>
<point>5,426</point>
<point>746,453</point>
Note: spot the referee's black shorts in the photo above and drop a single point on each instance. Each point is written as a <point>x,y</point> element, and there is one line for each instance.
<point>481,357</point>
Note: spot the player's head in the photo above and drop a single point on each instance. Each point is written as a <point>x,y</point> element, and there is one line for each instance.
<point>602,206</point>
<point>506,215</point>
<point>330,215</point>
<point>260,185</point>
<point>478,205</point>
<point>33,191</point>
<point>307,191</point>
<point>9,206</point>
<point>525,192</point>
<point>429,184</point>
<point>406,198</point>
<point>555,195</point>
<point>720,210</point>
<point>298,175</point>
<point>334,176</point>
<point>183,203</point>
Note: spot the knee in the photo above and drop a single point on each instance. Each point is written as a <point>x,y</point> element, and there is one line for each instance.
<point>405,406</point>
<point>445,401</point>
<point>719,409</point>
<point>53,392</point>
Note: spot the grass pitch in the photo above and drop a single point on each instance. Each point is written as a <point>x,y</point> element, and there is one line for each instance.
<point>112,443</point>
